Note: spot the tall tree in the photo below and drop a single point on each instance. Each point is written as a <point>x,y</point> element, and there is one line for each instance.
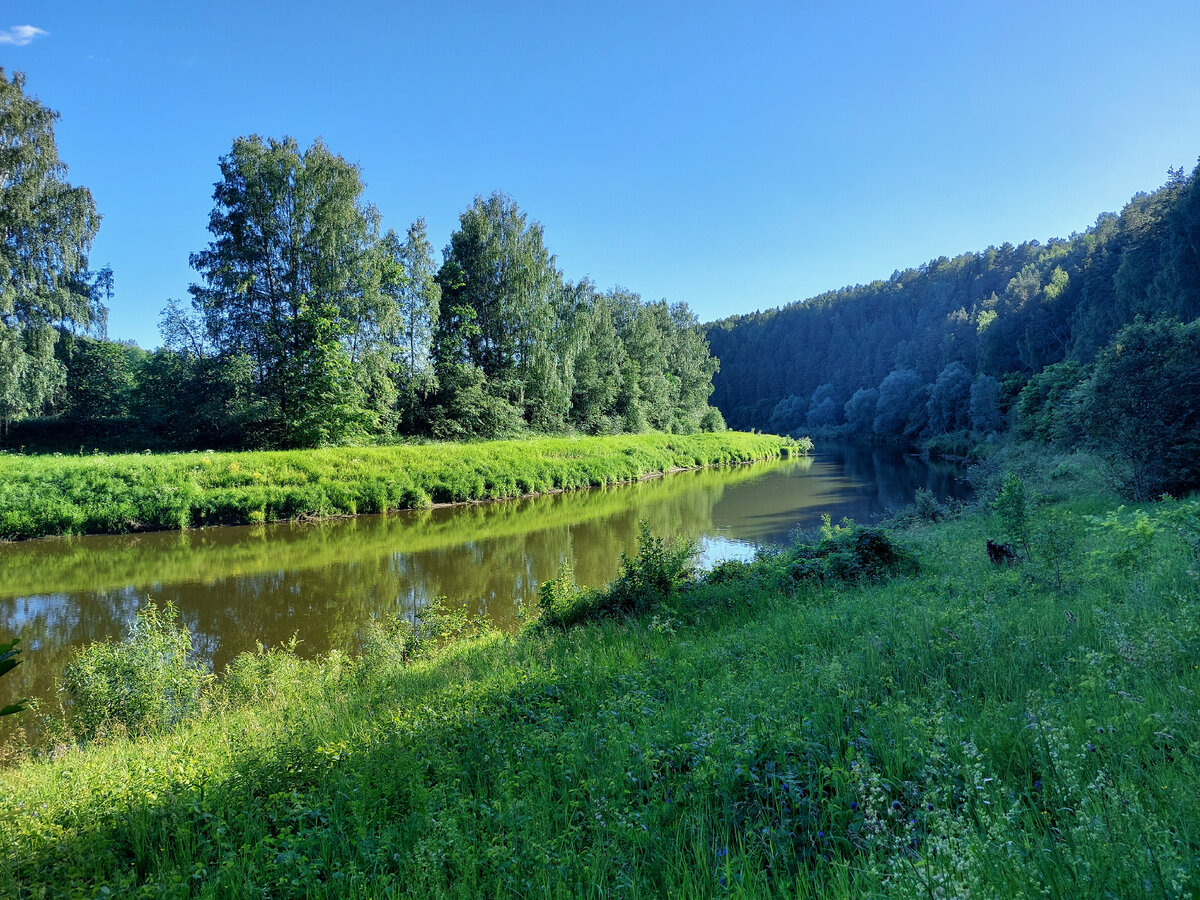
<point>46,230</point>
<point>414,289</point>
<point>497,266</point>
<point>599,360</point>
<point>290,280</point>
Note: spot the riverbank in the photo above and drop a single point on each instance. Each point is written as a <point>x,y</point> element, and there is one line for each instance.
<point>780,728</point>
<point>52,495</point>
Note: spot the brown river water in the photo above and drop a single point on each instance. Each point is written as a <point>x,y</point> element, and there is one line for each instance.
<point>236,587</point>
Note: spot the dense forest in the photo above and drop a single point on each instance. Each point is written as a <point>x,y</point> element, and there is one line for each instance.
<point>311,325</point>
<point>1029,335</point>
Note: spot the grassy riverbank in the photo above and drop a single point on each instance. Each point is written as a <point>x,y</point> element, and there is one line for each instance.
<point>46,495</point>
<point>782,728</point>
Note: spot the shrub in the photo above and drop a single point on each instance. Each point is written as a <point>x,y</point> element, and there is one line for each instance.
<point>851,553</point>
<point>650,578</point>
<point>1012,506</point>
<point>654,575</point>
<point>564,603</point>
<point>146,683</point>
<point>407,638</point>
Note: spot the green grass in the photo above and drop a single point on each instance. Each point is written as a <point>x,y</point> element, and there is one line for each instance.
<point>48,495</point>
<point>777,730</point>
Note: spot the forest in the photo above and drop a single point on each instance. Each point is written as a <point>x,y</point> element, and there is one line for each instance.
<point>1091,339</point>
<point>311,325</point>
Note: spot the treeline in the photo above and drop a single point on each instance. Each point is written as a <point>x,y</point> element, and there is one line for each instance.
<point>311,325</point>
<point>960,348</point>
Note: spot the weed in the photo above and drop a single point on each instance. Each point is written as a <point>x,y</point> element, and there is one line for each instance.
<point>146,683</point>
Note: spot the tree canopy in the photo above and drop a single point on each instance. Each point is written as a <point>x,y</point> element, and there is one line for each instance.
<point>290,276</point>
<point>46,230</point>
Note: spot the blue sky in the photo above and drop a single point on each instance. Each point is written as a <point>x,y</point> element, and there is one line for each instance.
<point>736,156</point>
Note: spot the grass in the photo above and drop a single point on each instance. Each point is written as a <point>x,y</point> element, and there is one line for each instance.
<point>778,728</point>
<point>52,495</point>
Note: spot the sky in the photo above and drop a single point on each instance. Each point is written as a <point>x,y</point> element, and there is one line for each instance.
<point>735,156</point>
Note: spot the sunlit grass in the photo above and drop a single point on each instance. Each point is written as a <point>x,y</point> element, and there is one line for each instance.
<point>970,730</point>
<point>43,495</point>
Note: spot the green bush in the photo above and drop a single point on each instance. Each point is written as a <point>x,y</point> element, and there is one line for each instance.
<point>850,553</point>
<point>1012,506</point>
<point>146,683</point>
<point>654,575</point>
<point>650,578</point>
<point>564,603</point>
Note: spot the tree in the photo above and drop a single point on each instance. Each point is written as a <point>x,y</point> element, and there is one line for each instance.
<point>497,267</point>
<point>411,284</point>
<point>599,360</point>
<point>291,283</point>
<point>900,408</point>
<point>949,402</point>
<point>1141,407</point>
<point>986,415</point>
<point>823,409</point>
<point>788,415</point>
<point>860,410</point>
<point>46,230</point>
<point>100,378</point>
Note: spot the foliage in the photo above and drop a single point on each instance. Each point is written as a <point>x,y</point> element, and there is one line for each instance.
<point>652,577</point>
<point>1141,407</point>
<point>1012,507</point>
<point>46,230</point>
<point>417,635</point>
<point>1046,406</point>
<point>147,683</point>
<point>955,733</point>
<point>291,273</point>
<point>848,553</point>
<point>115,494</point>
<point>990,321</point>
<point>1056,536</point>
<point>986,415</point>
<point>563,603</point>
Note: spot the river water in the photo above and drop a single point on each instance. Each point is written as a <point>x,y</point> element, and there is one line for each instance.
<point>323,581</point>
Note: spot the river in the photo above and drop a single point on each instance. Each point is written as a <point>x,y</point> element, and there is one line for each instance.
<point>322,581</point>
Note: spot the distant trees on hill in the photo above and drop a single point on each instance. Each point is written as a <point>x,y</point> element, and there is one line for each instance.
<point>963,345</point>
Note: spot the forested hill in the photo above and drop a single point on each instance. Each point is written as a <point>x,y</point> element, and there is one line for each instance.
<point>911,355</point>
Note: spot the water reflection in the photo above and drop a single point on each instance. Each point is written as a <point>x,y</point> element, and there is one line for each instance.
<point>322,581</point>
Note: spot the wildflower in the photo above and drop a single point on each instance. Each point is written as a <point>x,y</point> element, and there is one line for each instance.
<point>895,804</point>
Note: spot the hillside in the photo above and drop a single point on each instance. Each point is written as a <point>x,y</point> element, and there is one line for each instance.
<point>1004,314</point>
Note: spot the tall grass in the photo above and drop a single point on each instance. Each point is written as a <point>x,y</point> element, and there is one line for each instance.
<point>801,725</point>
<point>47,495</point>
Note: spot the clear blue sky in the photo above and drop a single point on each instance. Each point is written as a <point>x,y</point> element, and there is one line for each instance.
<point>735,156</point>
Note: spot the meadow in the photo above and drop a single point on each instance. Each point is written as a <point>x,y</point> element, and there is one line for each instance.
<point>870,712</point>
<point>114,494</point>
